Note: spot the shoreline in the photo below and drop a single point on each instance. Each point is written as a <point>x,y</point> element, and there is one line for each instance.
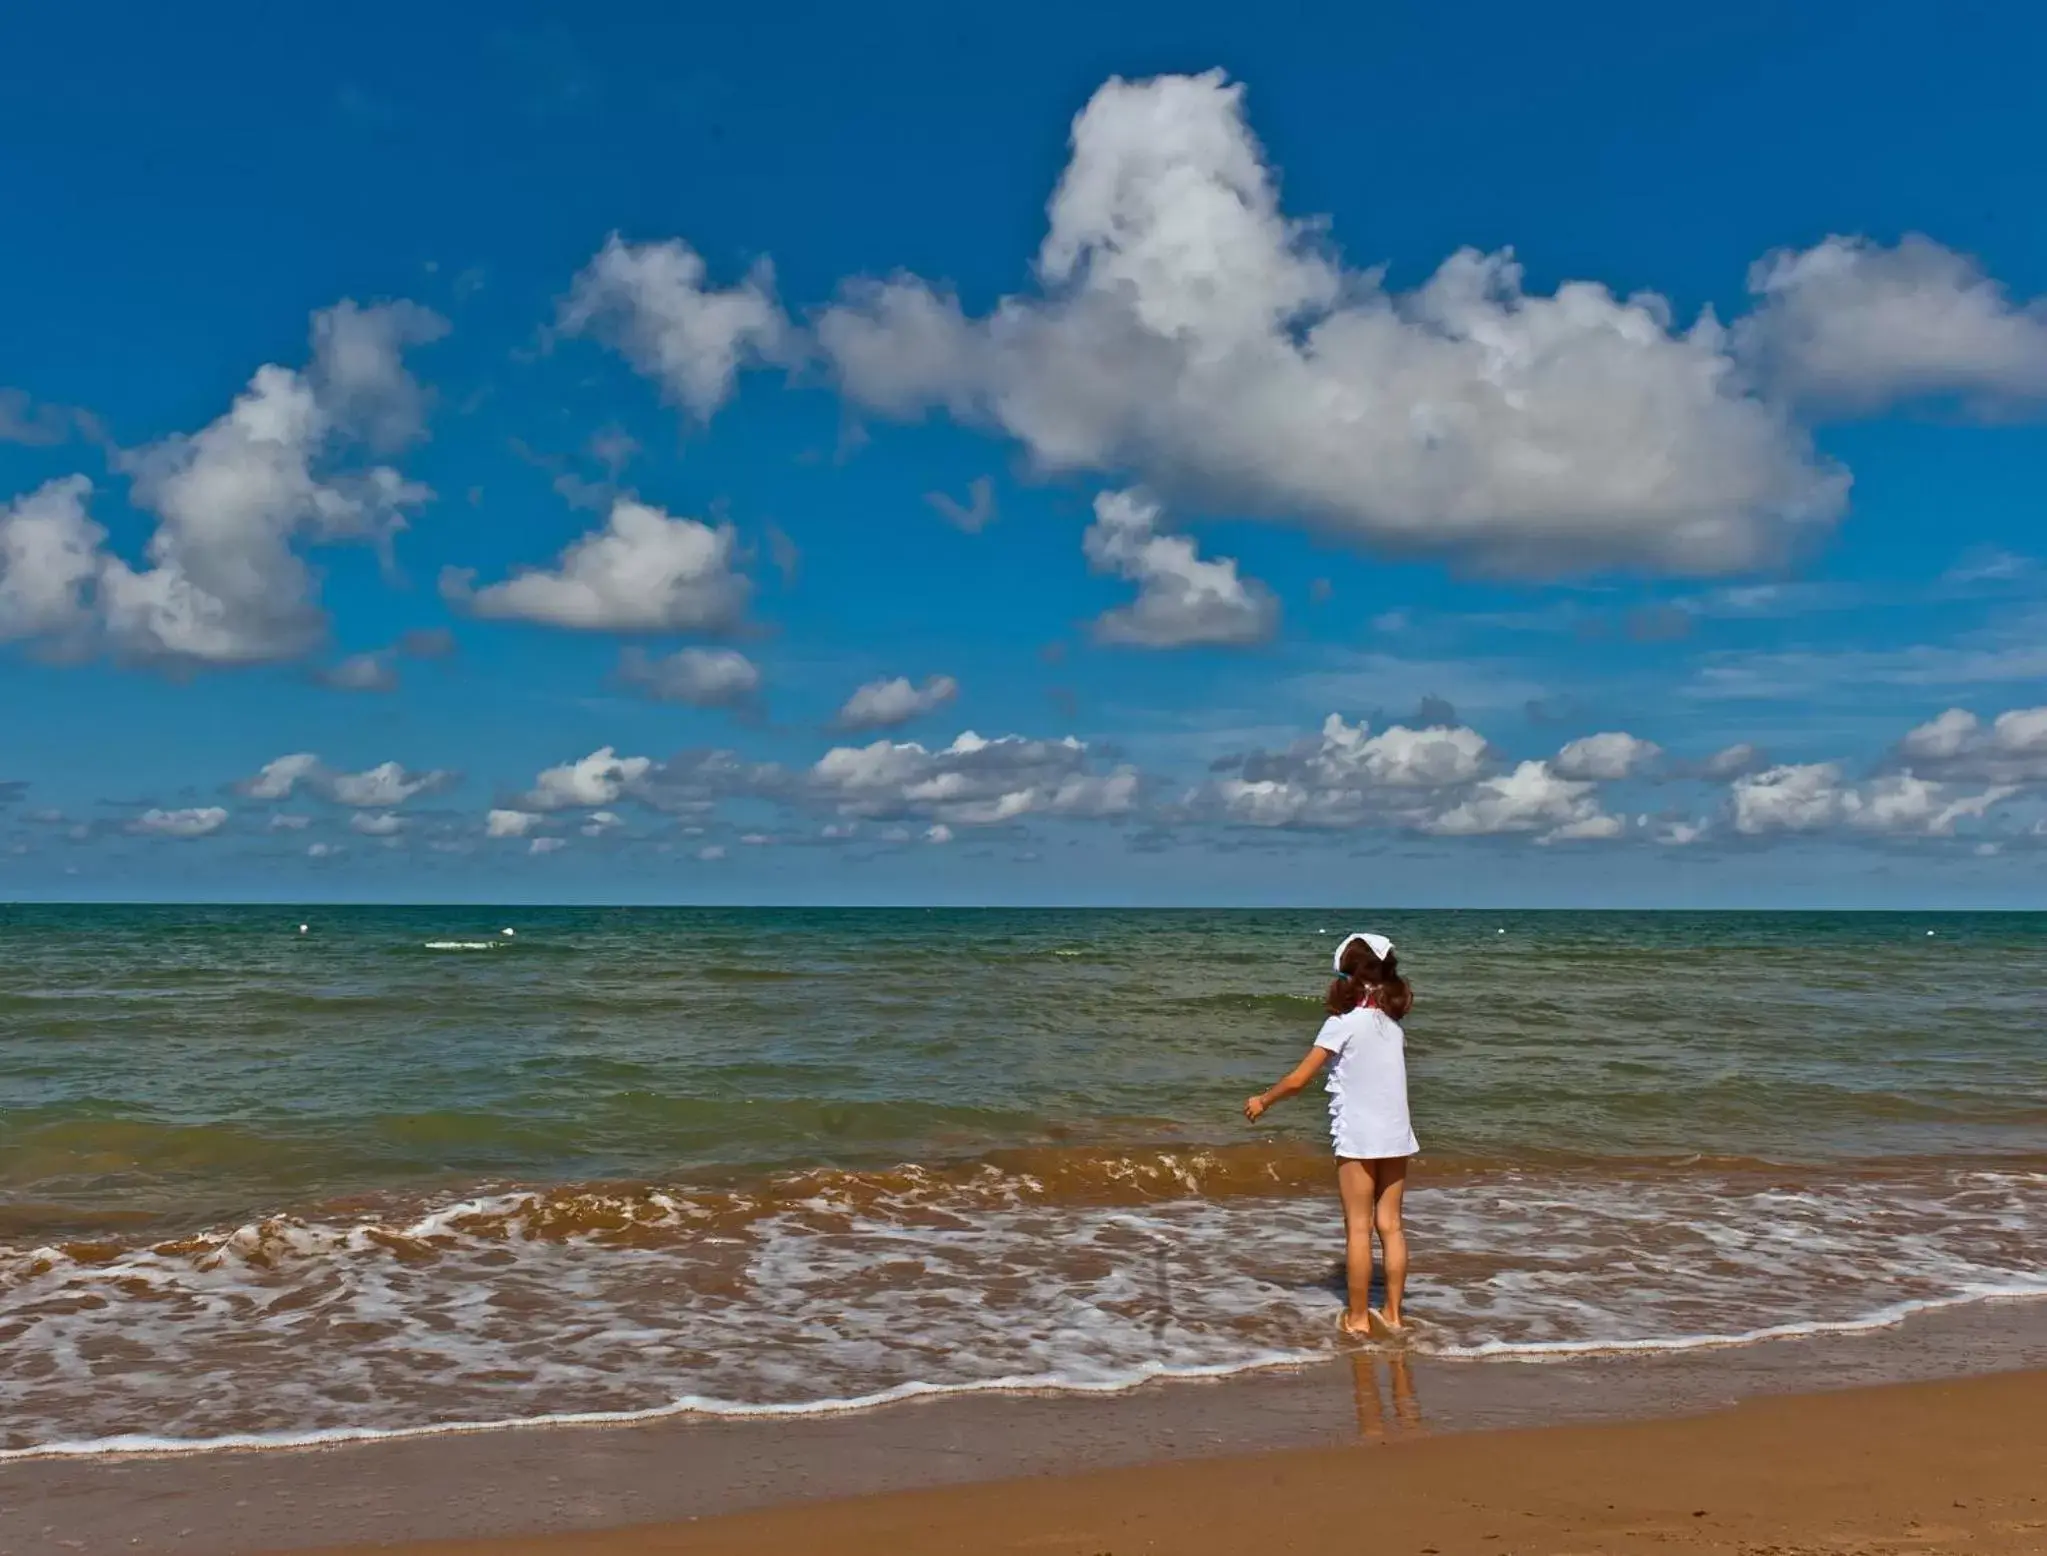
<point>556,1482</point>
<point>1913,1467</point>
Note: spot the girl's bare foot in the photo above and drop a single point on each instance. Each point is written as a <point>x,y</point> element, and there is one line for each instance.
<point>1385,1326</point>
<point>1352,1329</point>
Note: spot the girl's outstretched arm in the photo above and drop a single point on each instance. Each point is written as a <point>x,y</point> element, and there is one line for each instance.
<point>1297,1078</point>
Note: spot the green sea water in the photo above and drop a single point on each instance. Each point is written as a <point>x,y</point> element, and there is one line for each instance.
<point>407,1133</point>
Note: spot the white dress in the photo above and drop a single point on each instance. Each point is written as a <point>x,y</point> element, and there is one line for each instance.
<point>1367,1085</point>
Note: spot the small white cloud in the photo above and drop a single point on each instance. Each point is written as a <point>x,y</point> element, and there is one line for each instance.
<point>375,788</point>
<point>599,823</point>
<point>975,514</point>
<point>360,673</point>
<point>938,832</point>
<point>386,784</point>
<point>1732,761</point>
<point>323,850</point>
<point>1182,600</point>
<point>972,782</point>
<point>201,821</point>
<point>650,302</point>
<point>710,852</point>
<point>1608,756</point>
<point>546,845</point>
<point>886,704</point>
<point>1958,745</point>
<point>377,823</point>
<point>289,821</point>
<point>595,780</point>
<point>1531,798</point>
<point>510,823</point>
<point>700,677</point>
<point>643,572</point>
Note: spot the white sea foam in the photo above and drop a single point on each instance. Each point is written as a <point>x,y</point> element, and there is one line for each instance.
<point>498,1310</point>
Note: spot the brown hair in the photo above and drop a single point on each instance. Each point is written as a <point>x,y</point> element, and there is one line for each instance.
<point>1365,977</point>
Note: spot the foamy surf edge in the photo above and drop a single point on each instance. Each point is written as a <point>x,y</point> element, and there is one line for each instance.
<point>140,1445</point>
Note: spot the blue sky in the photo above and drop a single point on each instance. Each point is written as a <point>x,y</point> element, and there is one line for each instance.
<point>907,455</point>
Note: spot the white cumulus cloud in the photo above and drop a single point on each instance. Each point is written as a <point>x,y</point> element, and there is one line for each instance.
<point>1190,333</point>
<point>598,779</point>
<point>884,704</point>
<point>510,823</point>
<point>650,301</point>
<point>1182,599</point>
<point>974,781</point>
<point>49,562</point>
<point>1814,797</point>
<point>1610,755</point>
<point>198,821</point>
<point>2010,749</point>
<point>223,582</point>
<point>1851,325</point>
<point>700,677</point>
<point>1531,798</point>
<point>645,571</point>
<point>381,787</point>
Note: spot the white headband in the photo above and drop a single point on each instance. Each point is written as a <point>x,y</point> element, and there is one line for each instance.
<point>1380,946</point>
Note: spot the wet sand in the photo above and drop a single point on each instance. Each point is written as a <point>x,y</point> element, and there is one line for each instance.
<point>519,1491</point>
<point>1932,1467</point>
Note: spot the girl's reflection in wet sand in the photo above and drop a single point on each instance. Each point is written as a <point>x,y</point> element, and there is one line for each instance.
<point>1373,1425</point>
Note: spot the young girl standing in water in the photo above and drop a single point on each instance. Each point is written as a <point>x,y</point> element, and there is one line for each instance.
<point>1368,1121</point>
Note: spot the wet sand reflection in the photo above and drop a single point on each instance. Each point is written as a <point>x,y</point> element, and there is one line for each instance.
<point>1374,1424</point>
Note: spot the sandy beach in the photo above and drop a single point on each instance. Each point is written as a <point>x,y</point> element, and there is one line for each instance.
<point>1949,1466</point>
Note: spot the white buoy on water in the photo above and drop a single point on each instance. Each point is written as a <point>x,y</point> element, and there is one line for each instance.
<point>303,928</point>
<point>509,933</point>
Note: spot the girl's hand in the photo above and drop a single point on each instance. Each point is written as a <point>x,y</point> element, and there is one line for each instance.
<point>1253,1107</point>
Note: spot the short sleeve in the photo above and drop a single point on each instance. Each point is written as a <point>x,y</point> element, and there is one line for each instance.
<point>1334,1034</point>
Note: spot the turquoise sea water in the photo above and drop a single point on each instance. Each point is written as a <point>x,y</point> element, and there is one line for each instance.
<point>410,1170</point>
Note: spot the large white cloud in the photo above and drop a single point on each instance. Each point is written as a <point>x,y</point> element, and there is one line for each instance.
<point>974,781</point>
<point>1850,325</point>
<point>887,703</point>
<point>224,583</point>
<point>650,301</point>
<point>1187,331</point>
<point>643,572</point>
<point>1182,599</point>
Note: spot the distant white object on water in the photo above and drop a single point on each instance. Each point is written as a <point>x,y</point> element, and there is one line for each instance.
<point>509,933</point>
<point>303,928</point>
<point>1499,931</point>
<point>1929,932</point>
<point>460,945</point>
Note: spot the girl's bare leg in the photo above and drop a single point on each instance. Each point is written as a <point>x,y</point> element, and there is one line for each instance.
<point>1356,1183</point>
<point>1389,1178</point>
